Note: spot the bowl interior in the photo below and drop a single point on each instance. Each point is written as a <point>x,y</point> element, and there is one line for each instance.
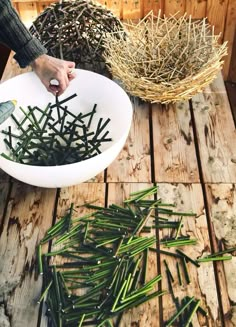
<point>91,88</point>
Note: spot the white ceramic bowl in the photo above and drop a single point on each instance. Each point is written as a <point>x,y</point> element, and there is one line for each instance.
<point>112,102</point>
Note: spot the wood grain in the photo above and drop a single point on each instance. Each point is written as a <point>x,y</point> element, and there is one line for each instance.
<point>229,35</point>
<point>189,198</point>
<point>173,7</point>
<point>216,13</point>
<point>216,133</point>
<point>231,92</point>
<point>28,12</point>
<point>133,164</point>
<point>114,6</point>
<point>4,189</point>
<point>221,199</point>
<point>29,214</point>
<point>132,9</point>
<point>173,143</point>
<point>197,9</point>
<point>154,5</point>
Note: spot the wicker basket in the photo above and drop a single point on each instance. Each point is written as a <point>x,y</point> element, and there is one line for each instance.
<point>165,59</point>
<point>75,31</point>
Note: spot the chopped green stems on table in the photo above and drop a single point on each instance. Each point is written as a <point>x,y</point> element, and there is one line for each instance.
<point>199,309</point>
<point>40,264</point>
<point>170,322</point>
<point>171,254</point>
<point>179,273</point>
<point>188,259</point>
<point>180,225</point>
<point>223,252</point>
<point>185,269</point>
<point>170,288</point>
<point>44,294</point>
<point>168,271</point>
<point>215,258</point>
<point>193,310</point>
<point>98,263</point>
<point>180,241</point>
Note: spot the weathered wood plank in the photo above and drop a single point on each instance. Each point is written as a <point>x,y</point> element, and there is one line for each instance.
<point>4,189</point>
<point>133,164</point>
<point>78,195</point>
<point>173,7</point>
<point>42,5</point>
<point>216,133</point>
<point>231,92</point>
<point>29,213</point>
<point>229,35</point>
<point>114,5</point>
<point>14,1</point>
<point>189,198</point>
<point>216,13</point>
<point>221,199</point>
<point>132,9</point>
<point>197,9</point>
<point>232,70</point>
<point>173,143</point>
<point>146,314</point>
<point>28,12</point>
<point>154,5</point>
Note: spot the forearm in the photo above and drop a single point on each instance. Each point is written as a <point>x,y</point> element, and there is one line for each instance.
<point>15,35</point>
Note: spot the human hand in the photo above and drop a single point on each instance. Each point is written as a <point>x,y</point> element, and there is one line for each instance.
<point>49,68</point>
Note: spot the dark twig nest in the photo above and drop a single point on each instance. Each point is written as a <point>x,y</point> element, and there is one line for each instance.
<point>75,31</point>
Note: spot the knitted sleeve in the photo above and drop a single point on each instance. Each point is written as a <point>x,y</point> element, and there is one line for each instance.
<point>16,36</point>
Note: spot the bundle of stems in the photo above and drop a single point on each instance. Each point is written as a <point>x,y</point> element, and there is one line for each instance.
<point>55,136</point>
<point>165,59</point>
<point>97,268</point>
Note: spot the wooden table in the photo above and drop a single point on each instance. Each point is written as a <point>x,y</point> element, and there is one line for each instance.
<point>189,150</point>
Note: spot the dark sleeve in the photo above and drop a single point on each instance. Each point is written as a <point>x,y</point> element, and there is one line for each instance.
<point>16,36</point>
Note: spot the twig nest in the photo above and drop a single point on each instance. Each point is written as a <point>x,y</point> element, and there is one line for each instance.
<point>165,59</point>
<point>75,31</point>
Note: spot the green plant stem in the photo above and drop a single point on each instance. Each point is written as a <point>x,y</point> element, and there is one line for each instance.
<point>170,322</point>
<point>193,311</point>
<point>216,258</point>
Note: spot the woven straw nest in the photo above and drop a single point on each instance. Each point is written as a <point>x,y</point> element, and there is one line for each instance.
<point>75,30</point>
<point>165,59</point>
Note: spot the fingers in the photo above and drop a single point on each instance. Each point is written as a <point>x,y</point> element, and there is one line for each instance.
<point>60,73</point>
<point>71,70</point>
<point>53,89</point>
<point>71,64</point>
<point>49,68</point>
<point>58,89</point>
<point>71,74</point>
<point>64,79</point>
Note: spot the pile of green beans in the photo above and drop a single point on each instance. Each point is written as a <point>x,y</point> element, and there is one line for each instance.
<point>46,141</point>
